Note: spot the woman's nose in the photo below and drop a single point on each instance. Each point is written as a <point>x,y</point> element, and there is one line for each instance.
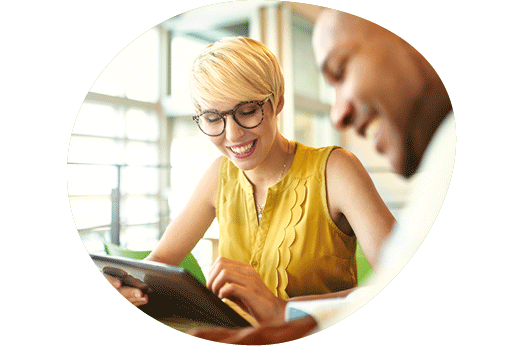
<point>233,130</point>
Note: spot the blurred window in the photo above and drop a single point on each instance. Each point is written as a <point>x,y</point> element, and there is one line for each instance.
<point>114,146</point>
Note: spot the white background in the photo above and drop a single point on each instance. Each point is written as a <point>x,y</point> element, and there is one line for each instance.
<point>460,287</point>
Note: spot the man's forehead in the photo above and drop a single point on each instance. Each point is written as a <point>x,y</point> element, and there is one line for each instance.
<point>334,28</point>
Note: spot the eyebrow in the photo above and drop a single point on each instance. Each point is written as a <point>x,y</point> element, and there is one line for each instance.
<point>235,106</point>
<point>325,65</point>
<point>351,48</point>
<point>219,111</point>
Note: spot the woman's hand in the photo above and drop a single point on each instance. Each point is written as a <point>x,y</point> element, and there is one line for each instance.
<point>240,283</point>
<point>134,295</point>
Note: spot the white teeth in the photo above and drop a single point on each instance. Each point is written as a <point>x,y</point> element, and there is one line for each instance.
<point>242,150</point>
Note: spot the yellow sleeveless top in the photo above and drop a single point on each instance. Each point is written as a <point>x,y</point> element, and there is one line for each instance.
<point>296,248</point>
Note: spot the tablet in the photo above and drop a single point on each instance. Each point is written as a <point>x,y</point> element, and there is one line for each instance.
<point>175,293</point>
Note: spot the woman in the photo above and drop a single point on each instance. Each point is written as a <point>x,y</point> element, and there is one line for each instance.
<point>289,215</point>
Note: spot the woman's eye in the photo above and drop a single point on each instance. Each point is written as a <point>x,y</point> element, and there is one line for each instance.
<point>247,113</point>
<point>212,118</point>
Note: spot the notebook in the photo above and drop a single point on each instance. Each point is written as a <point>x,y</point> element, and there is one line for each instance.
<point>174,294</point>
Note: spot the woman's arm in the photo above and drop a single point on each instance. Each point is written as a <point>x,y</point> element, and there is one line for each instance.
<point>184,232</point>
<point>354,200</point>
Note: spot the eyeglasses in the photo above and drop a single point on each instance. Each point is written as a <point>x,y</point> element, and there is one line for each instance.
<point>248,114</point>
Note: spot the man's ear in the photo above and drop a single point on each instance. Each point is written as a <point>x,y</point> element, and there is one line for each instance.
<point>281,103</point>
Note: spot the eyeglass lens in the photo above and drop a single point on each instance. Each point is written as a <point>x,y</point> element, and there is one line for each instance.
<point>248,115</point>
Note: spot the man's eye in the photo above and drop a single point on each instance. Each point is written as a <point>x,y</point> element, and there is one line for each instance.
<point>337,75</point>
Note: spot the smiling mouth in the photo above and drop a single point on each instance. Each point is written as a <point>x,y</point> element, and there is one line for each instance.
<point>244,149</point>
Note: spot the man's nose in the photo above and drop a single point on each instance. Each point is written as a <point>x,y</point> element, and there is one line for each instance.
<point>341,115</point>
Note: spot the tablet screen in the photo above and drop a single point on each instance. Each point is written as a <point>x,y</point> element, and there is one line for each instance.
<point>175,293</point>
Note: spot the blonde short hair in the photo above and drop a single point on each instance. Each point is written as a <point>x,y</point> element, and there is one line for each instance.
<point>235,68</point>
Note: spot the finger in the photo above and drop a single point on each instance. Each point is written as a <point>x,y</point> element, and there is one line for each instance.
<point>226,270</point>
<point>115,282</point>
<point>241,296</point>
<point>234,292</point>
<point>230,300</point>
<point>116,272</point>
<point>227,277</point>
<point>215,263</point>
<point>219,280</point>
<point>134,282</point>
<point>259,302</point>
<point>217,266</point>
<point>133,295</point>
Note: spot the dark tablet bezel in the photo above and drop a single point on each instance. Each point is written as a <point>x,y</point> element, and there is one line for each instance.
<point>175,293</point>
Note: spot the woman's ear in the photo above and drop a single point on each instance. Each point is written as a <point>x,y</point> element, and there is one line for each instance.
<point>281,103</point>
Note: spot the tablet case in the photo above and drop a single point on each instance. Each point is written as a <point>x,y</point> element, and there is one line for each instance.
<point>175,293</point>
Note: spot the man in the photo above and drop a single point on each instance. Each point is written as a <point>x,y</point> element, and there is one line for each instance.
<point>376,76</point>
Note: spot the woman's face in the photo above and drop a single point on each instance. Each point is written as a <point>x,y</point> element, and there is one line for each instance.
<point>246,148</point>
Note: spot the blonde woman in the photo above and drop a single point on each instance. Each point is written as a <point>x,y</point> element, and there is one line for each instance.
<point>289,215</point>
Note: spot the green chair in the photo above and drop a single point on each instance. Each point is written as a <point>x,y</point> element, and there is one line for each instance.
<point>189,263</point>
<point>364,270</point>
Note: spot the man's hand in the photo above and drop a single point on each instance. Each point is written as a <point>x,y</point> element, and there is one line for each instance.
<point>267,333</point>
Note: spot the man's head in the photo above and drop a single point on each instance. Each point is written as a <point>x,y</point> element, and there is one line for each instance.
<point>377,75</point>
